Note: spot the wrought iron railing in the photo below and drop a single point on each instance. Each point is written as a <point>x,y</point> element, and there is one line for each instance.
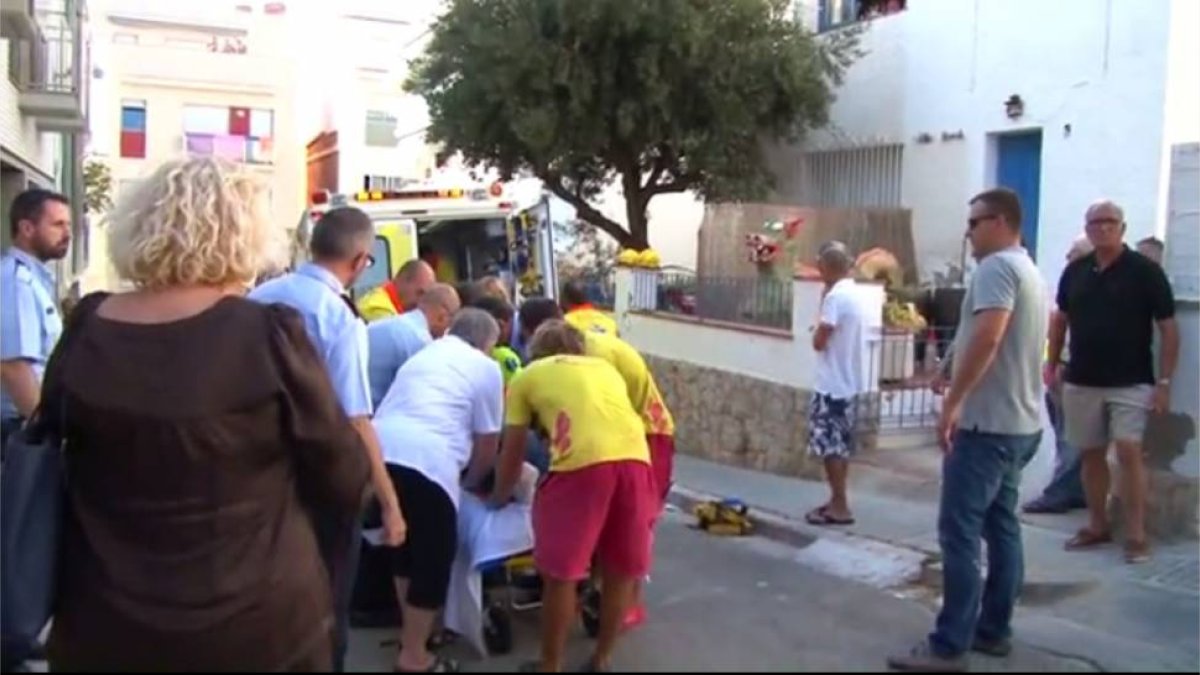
<point>911,370</point>
<point>758,301</point>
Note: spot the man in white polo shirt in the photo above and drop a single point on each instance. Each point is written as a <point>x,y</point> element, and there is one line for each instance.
<point>440,419</point>
<point>842,341</point>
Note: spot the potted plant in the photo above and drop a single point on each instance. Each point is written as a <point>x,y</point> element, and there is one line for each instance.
<point>901,323</point>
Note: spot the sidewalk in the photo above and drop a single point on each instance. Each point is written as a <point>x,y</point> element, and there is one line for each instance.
<point>1086,605</point>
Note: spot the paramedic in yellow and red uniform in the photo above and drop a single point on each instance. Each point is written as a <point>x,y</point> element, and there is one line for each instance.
<point>580,313</point>
<point>643,393</point>
<point>398,295</point>
<point>599,500</point>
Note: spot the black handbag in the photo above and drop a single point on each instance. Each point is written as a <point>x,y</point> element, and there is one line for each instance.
<point>32,496</point>
<point>32,507</point>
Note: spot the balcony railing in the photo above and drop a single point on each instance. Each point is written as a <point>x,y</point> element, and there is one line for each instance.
<point>48,69</point>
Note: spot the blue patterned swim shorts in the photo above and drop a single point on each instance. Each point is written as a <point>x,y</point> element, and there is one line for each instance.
<point>831,427</point>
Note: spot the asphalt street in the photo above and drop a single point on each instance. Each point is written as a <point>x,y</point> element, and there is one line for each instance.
<point>746,604</point>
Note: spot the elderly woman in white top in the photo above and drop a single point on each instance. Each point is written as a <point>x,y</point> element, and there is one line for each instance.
<point>442,416</point>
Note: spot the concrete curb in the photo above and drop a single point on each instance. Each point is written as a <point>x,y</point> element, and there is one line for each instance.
<point>780,528</point>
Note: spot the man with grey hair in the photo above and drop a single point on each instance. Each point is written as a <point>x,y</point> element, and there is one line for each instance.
<point>841,339</point>
<point>1111,300</point>
<point>440,427</point>
<point>340,248</point>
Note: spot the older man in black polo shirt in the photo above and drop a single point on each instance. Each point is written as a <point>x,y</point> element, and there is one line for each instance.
<point>1111,300</point>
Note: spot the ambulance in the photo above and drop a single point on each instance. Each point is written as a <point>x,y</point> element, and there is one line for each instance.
<point>465,233</point>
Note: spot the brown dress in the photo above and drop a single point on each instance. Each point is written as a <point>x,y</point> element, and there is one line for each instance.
<point>195,451</point>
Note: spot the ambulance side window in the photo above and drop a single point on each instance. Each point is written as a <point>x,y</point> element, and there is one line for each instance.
<point>376,274</point>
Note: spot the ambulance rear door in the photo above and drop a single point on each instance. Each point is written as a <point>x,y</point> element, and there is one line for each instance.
<point>395,244</point>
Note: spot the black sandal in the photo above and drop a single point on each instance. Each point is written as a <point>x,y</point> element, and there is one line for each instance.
<point>438,640</point>
<point>441,664</point>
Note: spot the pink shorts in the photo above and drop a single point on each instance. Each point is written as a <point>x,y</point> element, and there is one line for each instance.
<point>662,459</point>
<point>604,511</point>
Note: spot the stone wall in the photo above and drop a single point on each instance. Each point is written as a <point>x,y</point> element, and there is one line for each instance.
<point>744,421</point>
<point>735,419</point>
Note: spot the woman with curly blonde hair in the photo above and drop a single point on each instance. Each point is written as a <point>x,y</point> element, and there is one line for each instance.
<point>201,428</point>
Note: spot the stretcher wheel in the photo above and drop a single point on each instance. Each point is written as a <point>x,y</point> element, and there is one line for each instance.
<point>497,630</point>
<point>589,603</point>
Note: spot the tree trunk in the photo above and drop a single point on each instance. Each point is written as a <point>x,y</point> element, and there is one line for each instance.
<point>639,239</point>
<point>635,211</point>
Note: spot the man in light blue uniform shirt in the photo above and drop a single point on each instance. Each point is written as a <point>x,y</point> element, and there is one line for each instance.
<point>392,341</point>
<point>340,251</point>
<point>30,323</point>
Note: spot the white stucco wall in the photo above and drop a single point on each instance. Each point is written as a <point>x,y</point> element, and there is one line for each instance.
<point>1092,74</point>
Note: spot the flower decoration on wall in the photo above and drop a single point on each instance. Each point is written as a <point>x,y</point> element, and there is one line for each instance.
<point>776,237</point>
<point>761,249</point>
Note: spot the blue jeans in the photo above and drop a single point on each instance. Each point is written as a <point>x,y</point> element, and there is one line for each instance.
<point>980,479</point>
<point>1066,488</point>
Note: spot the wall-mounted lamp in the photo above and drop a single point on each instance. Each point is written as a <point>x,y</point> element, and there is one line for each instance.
<point>1014,107</point>
<point>953,135</point>
<point>924,138</point>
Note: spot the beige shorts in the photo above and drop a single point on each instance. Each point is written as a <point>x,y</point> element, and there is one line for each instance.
<point>1098,416</point>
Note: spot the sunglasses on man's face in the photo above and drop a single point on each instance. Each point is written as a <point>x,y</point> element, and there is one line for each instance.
<point>974,222</point>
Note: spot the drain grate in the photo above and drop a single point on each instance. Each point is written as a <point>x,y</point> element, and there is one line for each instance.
<point>1174,575</point>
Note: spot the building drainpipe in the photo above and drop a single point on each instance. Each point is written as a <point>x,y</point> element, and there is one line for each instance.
<point>72,158</point>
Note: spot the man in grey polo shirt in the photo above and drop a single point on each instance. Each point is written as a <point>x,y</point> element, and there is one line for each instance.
<point>990,428</point>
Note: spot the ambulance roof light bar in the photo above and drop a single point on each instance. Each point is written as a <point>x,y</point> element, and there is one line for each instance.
<point>380,195</point>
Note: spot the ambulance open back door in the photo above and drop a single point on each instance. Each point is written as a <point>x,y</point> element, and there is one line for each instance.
<point>464,234</point>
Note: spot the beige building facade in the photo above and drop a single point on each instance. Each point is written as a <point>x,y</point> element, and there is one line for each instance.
<point>220,81</point>
<point>363,130</point>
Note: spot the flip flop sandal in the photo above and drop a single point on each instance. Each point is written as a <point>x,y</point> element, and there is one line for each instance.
<point>1137,552</point>
<point>821,517</point>
<point>440,639</point>
<point>440,664</point>
<point>590,666</point>
<point>1086,539</point>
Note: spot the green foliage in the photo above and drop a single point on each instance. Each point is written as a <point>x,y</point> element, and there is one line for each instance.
<point>660,95</point>
<point>97,186</point>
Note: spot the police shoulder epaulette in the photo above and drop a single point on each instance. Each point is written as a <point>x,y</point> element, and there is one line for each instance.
<point>23,273</point>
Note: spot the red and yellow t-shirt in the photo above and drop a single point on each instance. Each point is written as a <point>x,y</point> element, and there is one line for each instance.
<point>639,382</point>
<point>587,319</point>
<point>583,405</point>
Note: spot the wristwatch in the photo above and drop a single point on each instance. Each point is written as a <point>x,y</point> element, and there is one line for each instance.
<point>1164,382</point>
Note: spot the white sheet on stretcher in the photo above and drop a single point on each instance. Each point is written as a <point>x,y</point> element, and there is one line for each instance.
<point>484,536</point>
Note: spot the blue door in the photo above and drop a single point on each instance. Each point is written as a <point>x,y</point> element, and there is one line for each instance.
<point>1019,168</point>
